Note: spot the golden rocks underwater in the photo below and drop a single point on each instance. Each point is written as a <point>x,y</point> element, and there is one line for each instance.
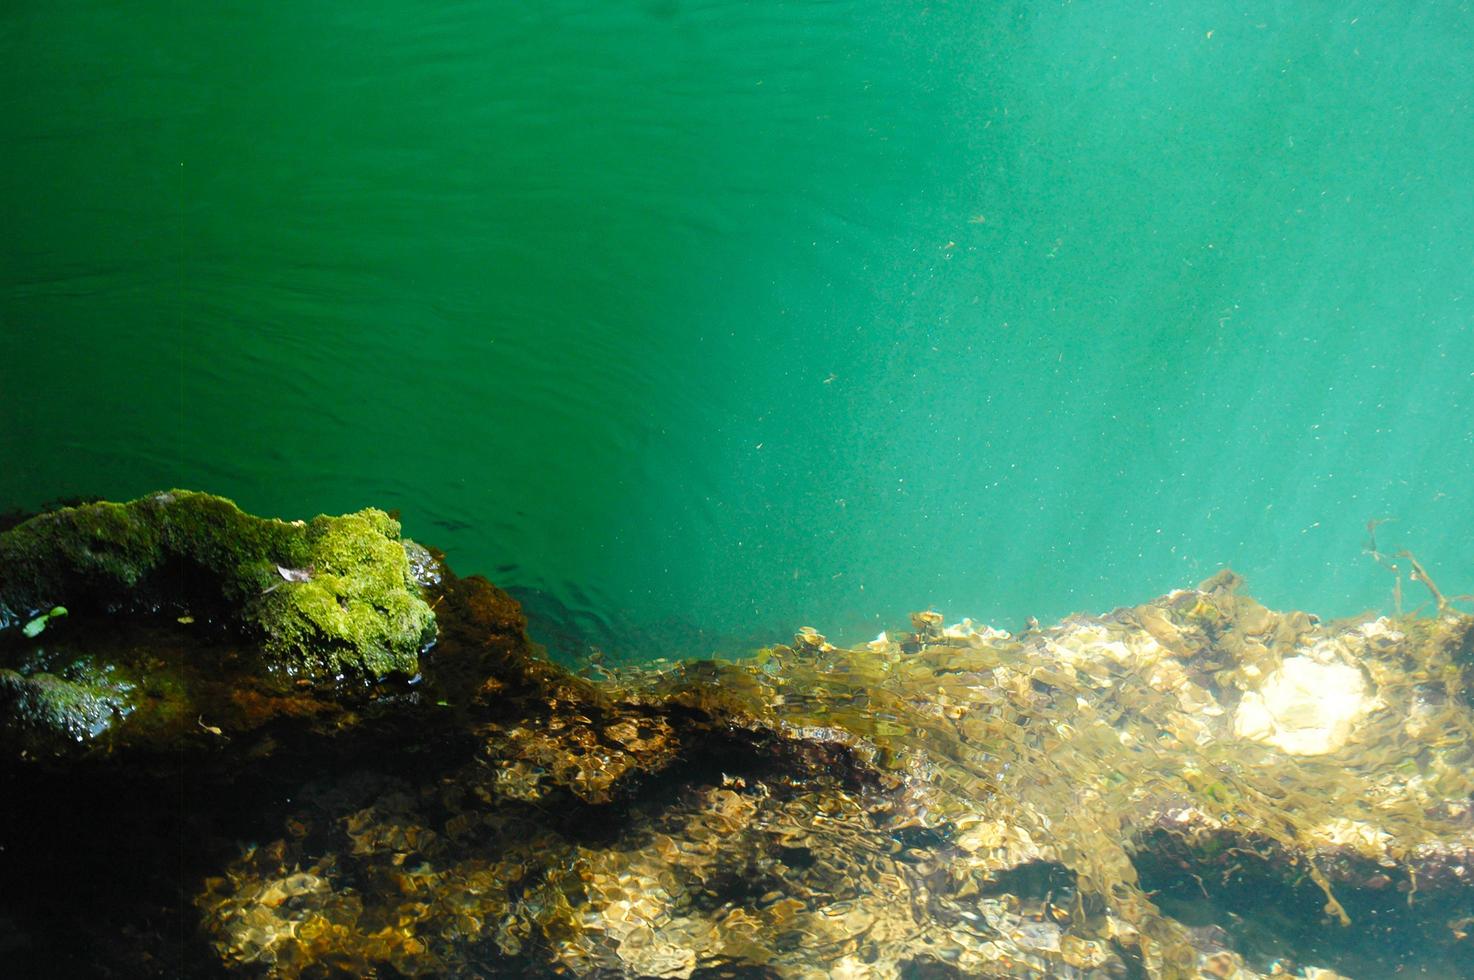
<point>952,802</point>
<point>1194,787</point>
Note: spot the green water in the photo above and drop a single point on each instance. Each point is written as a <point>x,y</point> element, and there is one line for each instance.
<point>743,316</point>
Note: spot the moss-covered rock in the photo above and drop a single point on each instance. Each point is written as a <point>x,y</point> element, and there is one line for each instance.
<point>324,599</point>
<point>42,712</point>
<point>1073,801</point>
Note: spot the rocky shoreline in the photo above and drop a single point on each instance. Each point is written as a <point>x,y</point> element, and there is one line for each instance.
<point>282,749</point>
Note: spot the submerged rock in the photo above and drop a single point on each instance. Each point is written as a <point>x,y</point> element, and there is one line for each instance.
<point>41,709</point>
<point>333,596</point>
<point>953,802</point>
<point>180,605</point>
<point>1305,708</point>
<point>1194,787</point>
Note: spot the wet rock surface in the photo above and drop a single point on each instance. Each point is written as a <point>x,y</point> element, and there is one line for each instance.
<point>951,802</point>
<point>185,616</point>
<point>1084,801</point>
<point>325,597</point>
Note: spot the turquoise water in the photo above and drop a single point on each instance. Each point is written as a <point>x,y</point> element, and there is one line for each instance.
<point>697,322</point>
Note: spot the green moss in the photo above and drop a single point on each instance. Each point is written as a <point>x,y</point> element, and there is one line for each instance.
<point>360,607</point>
<point>46,715</point>
<point>349,605</point>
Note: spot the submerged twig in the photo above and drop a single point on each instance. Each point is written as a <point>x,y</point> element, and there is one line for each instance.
<point>1416,573</point>
<point>1420,574</point>
<point>1385,562</point>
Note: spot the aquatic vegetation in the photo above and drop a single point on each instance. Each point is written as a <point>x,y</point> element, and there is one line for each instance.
<point>183,607</point>
<point>957,800</point>
<point>37,626</point>
<point>1197,786</point>
<point>191,554</point>
<point>1415,572</point>
<point>41,709</point>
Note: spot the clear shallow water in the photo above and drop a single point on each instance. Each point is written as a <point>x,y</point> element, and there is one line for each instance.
<point>735,317</point>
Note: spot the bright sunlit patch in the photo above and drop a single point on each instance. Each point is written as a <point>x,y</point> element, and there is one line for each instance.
<point>1305,707</point>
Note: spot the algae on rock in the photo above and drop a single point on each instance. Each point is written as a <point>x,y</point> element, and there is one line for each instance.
<point>331,597</point>
<point>953,801</point>
<point>40,709</point>
<point>958,801</point>
<point>187,617</point>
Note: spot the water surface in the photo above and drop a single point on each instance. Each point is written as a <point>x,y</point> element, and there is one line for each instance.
<point>697,322</point>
